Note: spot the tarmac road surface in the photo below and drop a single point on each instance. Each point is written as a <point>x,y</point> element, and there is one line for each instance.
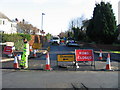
<point>59,79</point>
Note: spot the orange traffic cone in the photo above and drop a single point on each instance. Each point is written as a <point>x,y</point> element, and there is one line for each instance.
<point>47,67</point>
<point>34,53</point>
<point>108,66</point>
<point>15,65</point>
<point>100,55</point>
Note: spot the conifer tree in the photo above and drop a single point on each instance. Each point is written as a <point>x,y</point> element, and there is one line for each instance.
<point>102,27</point>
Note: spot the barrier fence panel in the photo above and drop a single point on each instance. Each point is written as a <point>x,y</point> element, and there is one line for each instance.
<point>80,55</point>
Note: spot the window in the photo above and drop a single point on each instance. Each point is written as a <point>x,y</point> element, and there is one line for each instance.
<point>11,25</point>
<point>3,22</point>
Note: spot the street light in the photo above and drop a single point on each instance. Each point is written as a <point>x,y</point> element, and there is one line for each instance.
<point>42,21</point>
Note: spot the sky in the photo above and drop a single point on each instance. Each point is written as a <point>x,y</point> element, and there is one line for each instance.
<point>58,13</point>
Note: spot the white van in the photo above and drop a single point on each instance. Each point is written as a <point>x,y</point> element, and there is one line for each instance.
<point>55,40</point>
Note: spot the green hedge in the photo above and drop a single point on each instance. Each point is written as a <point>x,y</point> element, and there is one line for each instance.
<point>16,38</point>
<point>27,36</point>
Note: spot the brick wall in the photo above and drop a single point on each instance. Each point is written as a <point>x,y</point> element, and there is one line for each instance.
<point>37,39</point>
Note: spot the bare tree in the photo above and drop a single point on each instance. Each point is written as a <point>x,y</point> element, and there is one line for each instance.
<point>76,23</point>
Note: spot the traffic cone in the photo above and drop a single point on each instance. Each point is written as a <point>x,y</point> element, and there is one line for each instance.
<point>34,53</point>
<point>15,65</point>
<point>100,55</point>
<point>108,66</point>
<point>47,66</point>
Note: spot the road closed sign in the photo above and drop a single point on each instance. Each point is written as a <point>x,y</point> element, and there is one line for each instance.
<point>84,55</point>
<point>8,50</point>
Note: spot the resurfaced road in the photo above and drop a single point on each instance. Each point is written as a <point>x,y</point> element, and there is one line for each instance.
<point>61,79</point>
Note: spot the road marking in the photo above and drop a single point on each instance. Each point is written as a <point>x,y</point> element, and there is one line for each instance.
<point>118,52</point>
<point>5,60</point>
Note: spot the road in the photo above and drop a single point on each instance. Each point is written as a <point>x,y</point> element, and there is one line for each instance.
<point>66,77</point>
<point>59,79</point>
<point>39,62</point>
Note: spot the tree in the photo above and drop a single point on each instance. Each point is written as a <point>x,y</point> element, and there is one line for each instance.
<point>102,27</point>
<point>69,34</point>
<point>75,27</point>
<point>76,33</point>
<point>76,23</point>
<point>85,24</point>
<point>49,36</point>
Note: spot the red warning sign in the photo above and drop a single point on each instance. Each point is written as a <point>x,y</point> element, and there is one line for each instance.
<point>8,50</point>
<point>84,55</point>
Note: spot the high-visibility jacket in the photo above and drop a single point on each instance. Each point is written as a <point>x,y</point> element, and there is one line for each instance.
<point>26,50</point>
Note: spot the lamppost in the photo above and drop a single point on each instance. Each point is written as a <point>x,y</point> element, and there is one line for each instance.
<point>42,21</point>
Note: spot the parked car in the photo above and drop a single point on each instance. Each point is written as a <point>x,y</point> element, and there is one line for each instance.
<point>62,40</point>
<point>71,42</point>
<point>55,40</point>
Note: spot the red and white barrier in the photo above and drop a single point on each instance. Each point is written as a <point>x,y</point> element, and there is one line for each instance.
<point>31,49</point>
<point>34,53</point>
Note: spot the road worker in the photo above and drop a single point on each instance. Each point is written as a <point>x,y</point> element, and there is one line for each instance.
<point>24,60</point>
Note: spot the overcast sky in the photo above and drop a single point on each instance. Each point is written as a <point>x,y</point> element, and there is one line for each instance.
<point>58,13</point>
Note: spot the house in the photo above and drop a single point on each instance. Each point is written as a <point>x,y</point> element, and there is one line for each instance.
<point>6,25</point>
<point>25,27</point>
<point>119,32</point>
<point>118,12</point>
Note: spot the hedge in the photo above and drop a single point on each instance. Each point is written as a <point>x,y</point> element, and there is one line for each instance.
<point>16,38</point>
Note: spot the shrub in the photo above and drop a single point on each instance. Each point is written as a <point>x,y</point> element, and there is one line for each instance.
<point>16,38</point>
<point>27,36</point>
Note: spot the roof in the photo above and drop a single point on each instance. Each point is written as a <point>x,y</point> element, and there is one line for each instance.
<point>4,16</point>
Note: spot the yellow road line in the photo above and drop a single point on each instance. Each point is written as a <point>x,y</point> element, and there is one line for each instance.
<point>118,52</point>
